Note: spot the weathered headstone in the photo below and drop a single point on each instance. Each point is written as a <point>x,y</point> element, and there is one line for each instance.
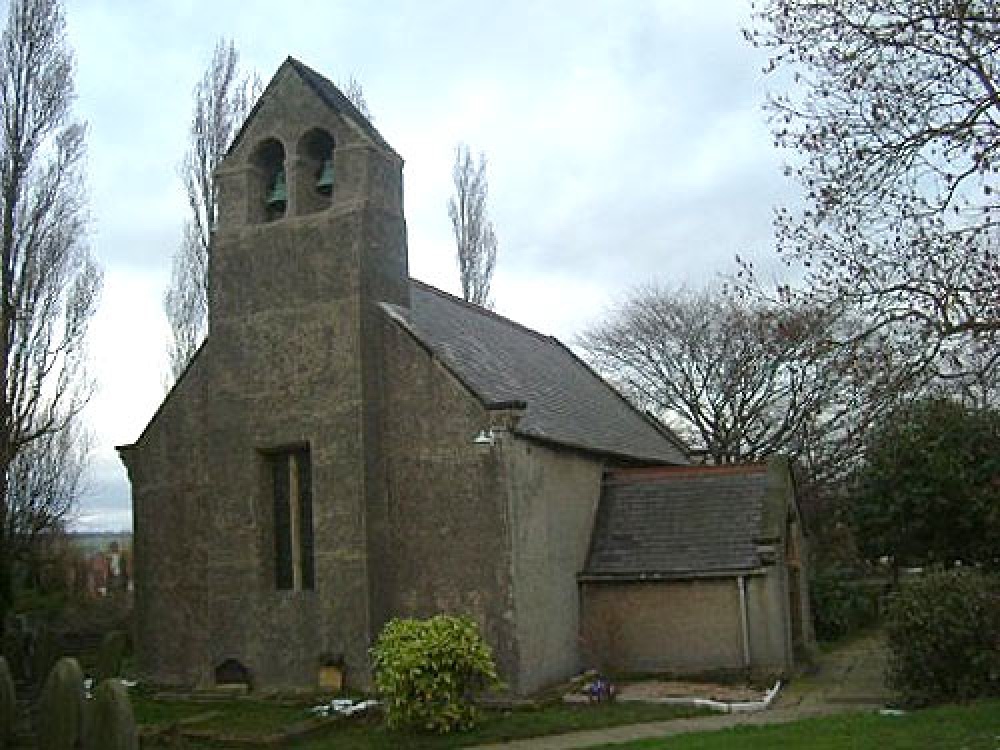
<point>60,707</point>
<point>111,724</point>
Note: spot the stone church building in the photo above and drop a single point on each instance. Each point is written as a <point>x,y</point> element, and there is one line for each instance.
<point>350,444</point>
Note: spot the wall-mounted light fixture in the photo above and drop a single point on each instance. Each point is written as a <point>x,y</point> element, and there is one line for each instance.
<point>485,441</point>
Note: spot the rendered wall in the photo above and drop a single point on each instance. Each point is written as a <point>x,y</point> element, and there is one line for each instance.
<point>688,626</point>
<point>769,620</point>
<point>553,498</point>
<point>675,626</point>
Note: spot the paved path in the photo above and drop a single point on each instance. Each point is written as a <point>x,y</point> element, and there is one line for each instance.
<point>847,679</point>
<point>850,675</point>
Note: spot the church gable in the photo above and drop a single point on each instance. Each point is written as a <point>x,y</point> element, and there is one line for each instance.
<point>340,103</point>
<point>288,82</point>
<point>504,363</point>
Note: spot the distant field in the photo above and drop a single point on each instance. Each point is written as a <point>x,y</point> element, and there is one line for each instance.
<point>91,541</point>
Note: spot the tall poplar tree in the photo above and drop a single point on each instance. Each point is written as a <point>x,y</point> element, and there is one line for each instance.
<point>49,282</point>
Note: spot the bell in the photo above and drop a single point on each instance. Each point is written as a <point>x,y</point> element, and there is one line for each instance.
<point>277,196</point>
<point>324,183</point>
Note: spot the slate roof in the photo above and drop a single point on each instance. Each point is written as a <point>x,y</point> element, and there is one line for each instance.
<point>502,362</point>
<point>673,522</point>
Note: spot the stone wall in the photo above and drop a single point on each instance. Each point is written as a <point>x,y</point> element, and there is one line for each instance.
<point>448,525</point>
<point>293,359</point>
<point>171,511</point>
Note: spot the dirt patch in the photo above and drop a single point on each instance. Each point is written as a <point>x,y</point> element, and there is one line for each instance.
<point>657,690</point>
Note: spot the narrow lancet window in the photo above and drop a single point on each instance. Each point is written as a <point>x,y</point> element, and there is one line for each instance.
<point>291,481</point>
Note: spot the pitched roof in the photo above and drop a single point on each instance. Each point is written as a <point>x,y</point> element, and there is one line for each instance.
<point>502,362</point>
<point>679,521</point>
<point>336,100</point>
<point>331,96</point>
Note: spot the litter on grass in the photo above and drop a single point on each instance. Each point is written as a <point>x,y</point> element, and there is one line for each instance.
<point>343,707</point>
<point>89,683</point>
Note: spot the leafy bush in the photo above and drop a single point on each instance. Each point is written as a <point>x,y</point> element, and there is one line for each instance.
<point>426,671</point>
<point>841,604</point>
<point>944,638</point>
<point>927,492</point>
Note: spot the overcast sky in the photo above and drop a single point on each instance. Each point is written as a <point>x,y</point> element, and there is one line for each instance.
<point>625,142</point>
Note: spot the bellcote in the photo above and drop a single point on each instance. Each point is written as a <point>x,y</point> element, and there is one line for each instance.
<point>304,150</point>
<point>310,214</point>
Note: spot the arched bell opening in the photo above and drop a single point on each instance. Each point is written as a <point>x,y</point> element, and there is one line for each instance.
<point>272,181</point>
<point>315,174</point>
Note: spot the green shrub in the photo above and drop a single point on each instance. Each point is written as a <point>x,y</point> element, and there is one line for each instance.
<point>427,670</point>
<point>40,603</point>
<point>944,638</point>
<point>841,604</point>
<point>927,492</point>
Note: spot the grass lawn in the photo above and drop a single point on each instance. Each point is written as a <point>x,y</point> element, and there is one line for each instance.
<point>972,727</point>
<point>148,712</point>
<point>259,717</point>
<point>232,716</point>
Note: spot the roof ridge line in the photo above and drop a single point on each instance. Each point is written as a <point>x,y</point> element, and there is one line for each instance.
<point>632,474</point>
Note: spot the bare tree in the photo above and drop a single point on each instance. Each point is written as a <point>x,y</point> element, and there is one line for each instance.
<point>354,92</point>
<point>741,380</point>
<point>892,112</point>
<point>475,240</point>
<point>44,484</point>
<point>48,280</point>
<point>222,100</point>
